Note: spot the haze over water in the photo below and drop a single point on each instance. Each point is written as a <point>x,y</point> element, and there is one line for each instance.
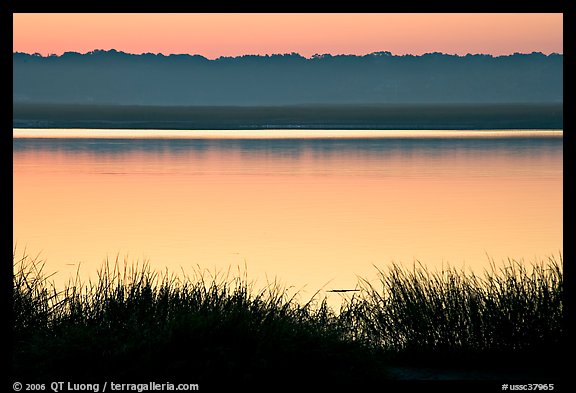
<point>311,210</point>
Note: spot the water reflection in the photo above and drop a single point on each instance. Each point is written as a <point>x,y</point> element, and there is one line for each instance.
<point>309,211</point>
<point>292,147</point>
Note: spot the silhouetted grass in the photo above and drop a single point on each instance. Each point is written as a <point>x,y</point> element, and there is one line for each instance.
<point>219,330</point>
<point>510,315</point>
<point>214,331</point>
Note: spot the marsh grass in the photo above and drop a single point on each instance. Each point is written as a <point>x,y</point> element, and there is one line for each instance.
<point>133,322</point>
<point>217,328</point>
<point>511,313</point>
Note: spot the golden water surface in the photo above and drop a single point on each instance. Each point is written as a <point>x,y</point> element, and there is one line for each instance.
<point>307,208</point>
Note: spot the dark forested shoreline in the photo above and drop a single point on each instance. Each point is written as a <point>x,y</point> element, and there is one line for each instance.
<point>113,77</point>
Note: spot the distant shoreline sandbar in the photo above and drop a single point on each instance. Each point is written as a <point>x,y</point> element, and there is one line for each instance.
<point>50,133</point>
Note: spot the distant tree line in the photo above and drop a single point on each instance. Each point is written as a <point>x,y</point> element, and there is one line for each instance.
<point>114,77</point>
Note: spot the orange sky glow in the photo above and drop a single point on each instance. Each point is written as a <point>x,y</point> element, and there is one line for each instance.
<point>221,34</point>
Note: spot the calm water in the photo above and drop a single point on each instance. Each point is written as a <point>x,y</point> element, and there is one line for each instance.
<point>307,211</point>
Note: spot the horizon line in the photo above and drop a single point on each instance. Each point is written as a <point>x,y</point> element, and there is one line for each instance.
<point>315,56</point>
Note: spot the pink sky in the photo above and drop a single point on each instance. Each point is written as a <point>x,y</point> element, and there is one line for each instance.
<point>214,35</point>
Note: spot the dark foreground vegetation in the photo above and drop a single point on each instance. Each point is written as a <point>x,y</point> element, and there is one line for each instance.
<point>221,332</point>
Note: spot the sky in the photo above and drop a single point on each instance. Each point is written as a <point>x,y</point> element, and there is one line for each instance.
<point>236,34</point>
